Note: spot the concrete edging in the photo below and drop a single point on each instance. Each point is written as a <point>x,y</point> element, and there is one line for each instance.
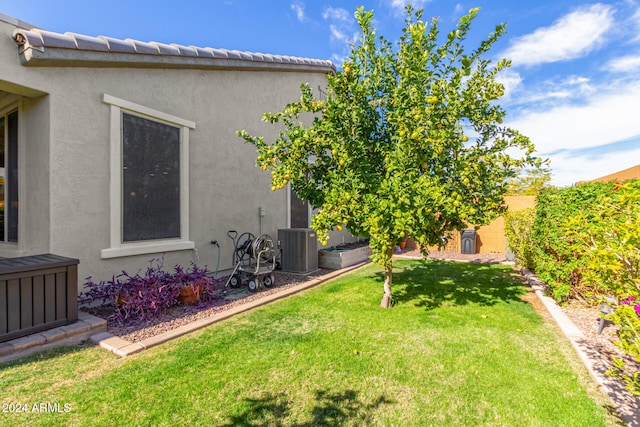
<point>627,405</point>
<point>74,333</point>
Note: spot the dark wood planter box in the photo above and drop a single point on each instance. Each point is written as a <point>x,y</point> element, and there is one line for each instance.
<point>37,293</point>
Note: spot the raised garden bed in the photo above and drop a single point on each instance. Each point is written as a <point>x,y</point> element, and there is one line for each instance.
<point>342,256</point>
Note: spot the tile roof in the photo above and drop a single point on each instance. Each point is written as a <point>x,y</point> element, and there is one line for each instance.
<point>51,49</point>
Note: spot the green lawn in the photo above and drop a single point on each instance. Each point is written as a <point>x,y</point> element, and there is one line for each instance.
<point>459,348</point>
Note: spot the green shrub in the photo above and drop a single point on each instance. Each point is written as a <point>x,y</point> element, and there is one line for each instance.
<point>607,238</point>
<point>555,259</point>
<point>627,318</point>
<point>518,226</point>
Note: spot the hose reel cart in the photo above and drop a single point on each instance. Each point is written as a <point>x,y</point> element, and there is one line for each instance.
<point>254,260</point>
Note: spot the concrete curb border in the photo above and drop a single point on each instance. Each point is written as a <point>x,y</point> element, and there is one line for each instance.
<point>124,348</point>
<point>627,405</point>
<point>74,333</point>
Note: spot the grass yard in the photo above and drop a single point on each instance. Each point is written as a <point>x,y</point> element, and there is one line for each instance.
<point>459,348</point>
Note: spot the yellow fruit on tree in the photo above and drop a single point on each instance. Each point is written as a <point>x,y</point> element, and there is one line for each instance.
<point>339,227</point>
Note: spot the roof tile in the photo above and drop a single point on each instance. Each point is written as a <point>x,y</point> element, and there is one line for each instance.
<point>51,39</point>
<point>144,48</point>
<point>203,52</point>
<point>185,50</point>
<point>117,45</point>
<point>89,43</point>
<point>219,53</point>
<point>166,49</point>
<point>41,38</point>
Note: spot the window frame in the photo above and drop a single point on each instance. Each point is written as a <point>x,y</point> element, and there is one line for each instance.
<point>5,112</point>
<point>118,248</point>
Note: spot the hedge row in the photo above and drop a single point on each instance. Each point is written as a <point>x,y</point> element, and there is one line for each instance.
<point>584,242</point>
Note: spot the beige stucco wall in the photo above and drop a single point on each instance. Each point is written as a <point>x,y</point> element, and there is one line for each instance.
<point>33,157</point>
<point>65,139</point>
<point>491,238</point>
<point>623,175</point>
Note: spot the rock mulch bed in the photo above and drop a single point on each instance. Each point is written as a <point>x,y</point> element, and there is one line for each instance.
<point>184,314</point>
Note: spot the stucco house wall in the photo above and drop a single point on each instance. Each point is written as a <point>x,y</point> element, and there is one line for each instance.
<point>64,98</point>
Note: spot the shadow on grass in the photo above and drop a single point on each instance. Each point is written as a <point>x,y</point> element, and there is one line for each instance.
<point>329,409</point>
<point>432,284</point>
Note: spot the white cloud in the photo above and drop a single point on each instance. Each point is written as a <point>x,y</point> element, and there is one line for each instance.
<point>336,14</point>
<point>336,34</point>
<point>635,20</point>
<point>625,64</point>
<point>399,5</point>
<point>298,8</point>
<point>342,31</point>
<point>511,80</point>
<point>572,36</point>
<point>550,92</point>
<point>573,168</point>
<point>608,115</point>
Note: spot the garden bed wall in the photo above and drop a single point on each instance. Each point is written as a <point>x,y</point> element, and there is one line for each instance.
<point>337,258</point>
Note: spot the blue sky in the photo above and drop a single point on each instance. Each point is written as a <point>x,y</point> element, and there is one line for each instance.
<point>573,88</point>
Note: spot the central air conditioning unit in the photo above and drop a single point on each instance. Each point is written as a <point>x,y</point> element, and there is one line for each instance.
<point>299,250</point>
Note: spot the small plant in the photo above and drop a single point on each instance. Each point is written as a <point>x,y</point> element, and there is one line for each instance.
<point>517,227</point>
<point>145,295</point>
<point>627,318</point>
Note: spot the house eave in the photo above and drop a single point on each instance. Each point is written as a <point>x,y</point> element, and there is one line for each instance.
<point>55,57</point>
<point>40,48</point>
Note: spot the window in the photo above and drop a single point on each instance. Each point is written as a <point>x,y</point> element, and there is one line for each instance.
<point>9,177</point>
<point>149,193</point>
<point>299,211</point>
<point>150,179</point>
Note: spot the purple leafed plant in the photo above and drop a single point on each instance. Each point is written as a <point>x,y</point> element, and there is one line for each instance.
<point>142,297</point>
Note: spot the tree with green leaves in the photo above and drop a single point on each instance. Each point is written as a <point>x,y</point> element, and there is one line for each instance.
<point>408,141</point>
<point>529,182</point>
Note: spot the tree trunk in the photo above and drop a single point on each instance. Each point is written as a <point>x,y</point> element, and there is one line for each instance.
<point>386,297</point>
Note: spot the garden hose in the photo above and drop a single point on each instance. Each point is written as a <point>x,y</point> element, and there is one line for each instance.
<point>215,273</point>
